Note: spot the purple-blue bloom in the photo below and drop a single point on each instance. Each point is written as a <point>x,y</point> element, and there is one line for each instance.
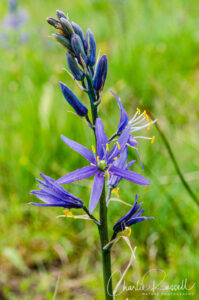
<point>131,218</point>
<point>55,195</point>
<point>134,123</point>
<point>101,163</point>
<point>121,162</point>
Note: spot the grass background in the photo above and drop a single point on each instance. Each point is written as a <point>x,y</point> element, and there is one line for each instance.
<point>153,57</point>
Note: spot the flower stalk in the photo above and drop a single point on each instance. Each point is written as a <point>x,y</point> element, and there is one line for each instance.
<point>107,163</point>
<point>106,253</point>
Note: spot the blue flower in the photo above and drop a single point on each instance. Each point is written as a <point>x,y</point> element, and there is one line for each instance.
<point>101,163</point>
<point>55,195</point>
<point>137,123</point>
<point>131,218</point>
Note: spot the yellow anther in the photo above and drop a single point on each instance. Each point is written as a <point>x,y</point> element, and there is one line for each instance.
<point>153,139</point>
<point>138,110</point>
<point>147,118</point>
<point>127,230</point>
<point>93,148</point>
<point>108,174</point>
<point>118,145</point>
<point>144,114</point>
<point>115,191</point>
<point>115,158</point>
<point>107,147</point>
<point>149,127</point>
<point>68,213</point>
<point>98,160</point>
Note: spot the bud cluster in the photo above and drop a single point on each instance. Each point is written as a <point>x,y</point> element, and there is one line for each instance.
<point>89,75</point>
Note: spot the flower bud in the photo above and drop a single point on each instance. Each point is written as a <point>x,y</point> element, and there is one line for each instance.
<point>91,50</point>
<point>72,99</point>
<point>53,22</point>
<point>67,27</point>
<point>73,66</point>
<point>78,48</point>
<point>101,72</point>
<point>62,40</point>
<point>80,32</point>
<point>60,14</point>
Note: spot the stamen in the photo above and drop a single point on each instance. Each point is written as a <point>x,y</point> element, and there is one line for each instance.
<point>153,139</point>
<point>138,110</point>
<point>93,148</point>
<point>149,127</point>
<point>128,230</point>
<point>115,158</point>
<point>69,213</point>
<point>144,126</point>
<point>108,174</point>
<point>144,113</point>
<point>107,147</point>
<point>118,145</point>
<point>98,161</point>
<point>115,191</point>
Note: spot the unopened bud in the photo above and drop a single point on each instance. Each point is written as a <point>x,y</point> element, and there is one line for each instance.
<point>91,50</point>
<point>53,22</point>
<point>60,14</point>
<point>74,68</point>
<point>80,32</point>
<point>101,72</point>
<point>67,27</point>
<point>62,40</point>
<point>72,99</point>
<point>78,48</point>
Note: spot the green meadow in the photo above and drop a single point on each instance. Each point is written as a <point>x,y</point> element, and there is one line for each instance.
<point>153,62</point>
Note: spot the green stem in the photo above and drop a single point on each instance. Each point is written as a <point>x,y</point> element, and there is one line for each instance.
<point>103,229</point>
<point>106,253</point>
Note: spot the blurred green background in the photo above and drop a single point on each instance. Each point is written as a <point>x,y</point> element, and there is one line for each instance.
<point>153,57</point>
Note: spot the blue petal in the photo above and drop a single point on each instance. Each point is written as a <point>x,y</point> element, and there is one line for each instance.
<point>122,141</point>
<point>136,220</point>
<point>78,174</point>
<point>49,199</point>
<point>79,148</point>
<point>129,175</point>
<point>129,164</point>
<point>96,191</point>
<point>131,212</point>
<point>124,118</point>
<point>101,137</point>
<point>139,158</point>
<point>131,141</point>
<point>120,162</point>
